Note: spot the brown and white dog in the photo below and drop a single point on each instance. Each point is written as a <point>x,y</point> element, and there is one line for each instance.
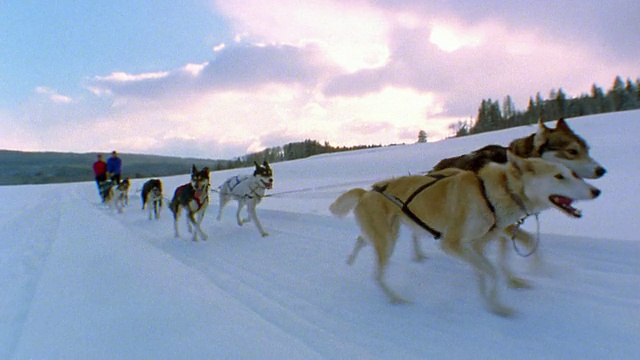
<point>466,210</point>
<point>152,197</point>
<point>560,145</point>
<point>193,197</point>
<point>118,195</point>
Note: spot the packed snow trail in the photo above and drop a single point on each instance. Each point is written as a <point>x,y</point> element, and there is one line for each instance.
<point>27,238</point>
<point>117,290</point>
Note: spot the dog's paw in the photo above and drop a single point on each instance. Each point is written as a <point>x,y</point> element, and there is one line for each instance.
<point>420,257</point>
<point>503,311</point>
<point>265,234</point>
<point>519,283</point>
<point>397,300</point>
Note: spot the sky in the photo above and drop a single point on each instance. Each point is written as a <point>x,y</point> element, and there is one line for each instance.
<point>219,79</point>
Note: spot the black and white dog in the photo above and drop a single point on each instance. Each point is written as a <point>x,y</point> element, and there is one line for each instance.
<point>194,198</point>
<point>247,190</point>
<point>152,196</point>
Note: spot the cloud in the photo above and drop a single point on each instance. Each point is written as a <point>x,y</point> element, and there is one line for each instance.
<point>461,60</point>
<point>352,33</point>
<point>53,95</point>
<point>244,66</point>
<point>347,72</point>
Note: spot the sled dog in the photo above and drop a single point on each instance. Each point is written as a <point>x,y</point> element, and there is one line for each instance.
<point>247,190</point>
<point>117,195</point>
<point>560,145</point>
<point>464,209</point>
<point>193,197</point>
<point>152,197</point>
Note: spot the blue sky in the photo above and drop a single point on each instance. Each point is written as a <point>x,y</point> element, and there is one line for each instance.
<point>222,78</point>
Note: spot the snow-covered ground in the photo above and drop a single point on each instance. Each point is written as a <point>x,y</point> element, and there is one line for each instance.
<point>82,282</point>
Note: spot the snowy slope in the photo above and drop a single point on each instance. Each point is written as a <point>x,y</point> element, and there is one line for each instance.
<point>81,281</point>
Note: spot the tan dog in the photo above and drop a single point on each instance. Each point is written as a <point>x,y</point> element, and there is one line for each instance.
<point>560,145</point>
<point>464,209</point>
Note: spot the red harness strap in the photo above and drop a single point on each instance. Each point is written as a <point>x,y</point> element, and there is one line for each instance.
<point>196,196</point>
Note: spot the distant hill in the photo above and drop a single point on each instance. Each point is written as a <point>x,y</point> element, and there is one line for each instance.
<point>18,167</point>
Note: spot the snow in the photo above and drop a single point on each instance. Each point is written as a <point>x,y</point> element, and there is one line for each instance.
<point>81,281</point>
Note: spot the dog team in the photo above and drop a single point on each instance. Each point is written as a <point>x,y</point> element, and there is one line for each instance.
<point>193,197</point>
<point>466,202</point>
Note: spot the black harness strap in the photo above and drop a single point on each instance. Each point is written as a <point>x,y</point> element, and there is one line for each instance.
<point>404,206</point>
<point>483,188</point>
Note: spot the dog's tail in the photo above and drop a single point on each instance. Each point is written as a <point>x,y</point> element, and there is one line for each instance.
<point>346,202</point>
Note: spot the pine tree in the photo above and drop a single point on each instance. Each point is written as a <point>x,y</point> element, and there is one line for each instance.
<point>597,96</point>
<point>422,136</point>
<point>617,94</point>
<point>508,110</point>
<point>630,98</point>
<point>561,104</point>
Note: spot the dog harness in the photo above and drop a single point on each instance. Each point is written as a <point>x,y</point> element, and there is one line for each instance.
<point>404,206</point>
<point>197,194</point>
<point>233,183</point>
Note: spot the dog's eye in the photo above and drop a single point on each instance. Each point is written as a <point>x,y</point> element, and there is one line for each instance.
<point>572,152</point>
<point>559,177</point>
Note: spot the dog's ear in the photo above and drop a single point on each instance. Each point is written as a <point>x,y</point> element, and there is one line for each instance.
<point>541,125</point>
<point>541,136</point>
<point>265,164</point>
<point>194,169</point>
<point>519,165</point>
<point>256,164</point>
<point>562,125</point>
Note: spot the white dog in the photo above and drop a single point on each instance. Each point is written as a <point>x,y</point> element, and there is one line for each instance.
<point>247,190</point>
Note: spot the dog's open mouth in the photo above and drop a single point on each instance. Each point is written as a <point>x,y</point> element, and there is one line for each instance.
<point>564,204</point>
<point>267,184</point>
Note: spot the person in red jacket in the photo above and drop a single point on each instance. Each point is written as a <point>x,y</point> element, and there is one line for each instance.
<point>100,172</point>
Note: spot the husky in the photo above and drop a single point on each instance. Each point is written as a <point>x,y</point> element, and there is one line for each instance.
<point>559,145</point>
<point>464,209</point>
<point>247,190</point>
<point>152,195</point>
<point>194,198</point>
<point>117,195</point>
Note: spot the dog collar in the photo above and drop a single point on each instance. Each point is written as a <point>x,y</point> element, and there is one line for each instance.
<point>518,200</point>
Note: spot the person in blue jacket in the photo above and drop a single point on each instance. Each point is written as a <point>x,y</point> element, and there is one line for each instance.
<point>114,167</point>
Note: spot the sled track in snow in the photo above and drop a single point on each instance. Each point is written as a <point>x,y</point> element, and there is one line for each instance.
<point>261,294</point>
